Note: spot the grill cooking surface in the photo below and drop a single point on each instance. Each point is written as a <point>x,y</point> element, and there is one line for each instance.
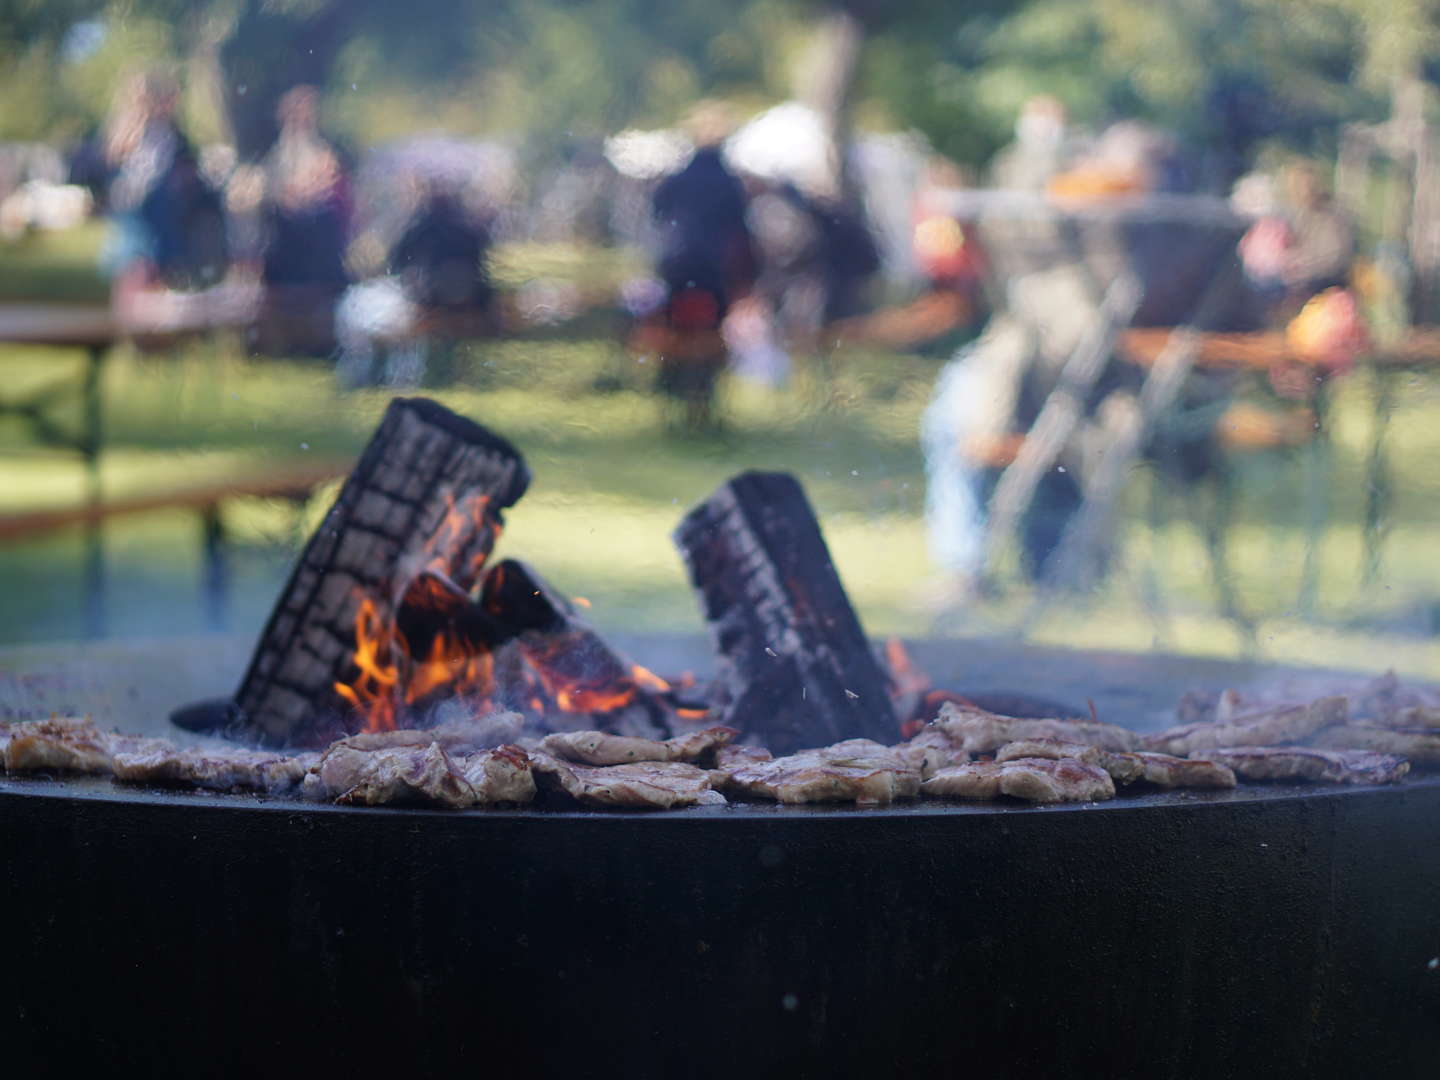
<point>133,686</point>
<point>102,789</point>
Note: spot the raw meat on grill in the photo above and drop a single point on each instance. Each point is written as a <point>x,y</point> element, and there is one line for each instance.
<point>659,785</point>
<point>1168,771</point>
<point>61,743</point>
<point>1420,745</point>
<point>855,770</point>
<point>223,769</point>
<point>1040,780</point>
<point>980,732</point>
<point>1123,768</point>
<point>1309,763</point>
<point>601,748</point>
<point>1268,727</point>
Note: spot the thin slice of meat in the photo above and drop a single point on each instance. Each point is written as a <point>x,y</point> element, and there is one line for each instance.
<point>967,780</point>
<point>601,748</point>
<point>1420,745</point>
<point>1168,771</point>
<point>501,775</point>
<point>1123,768</point>
<point>856,770</point>
<point>980,732</point>
<point>218,769</point>
<point>61,744</point>
<point>1310,763</point>
<point>656,785</point>
<point>1039,780</point>
<point>1268,727</point>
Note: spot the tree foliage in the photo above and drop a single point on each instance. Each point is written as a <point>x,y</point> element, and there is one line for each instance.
<point>1233,72</point>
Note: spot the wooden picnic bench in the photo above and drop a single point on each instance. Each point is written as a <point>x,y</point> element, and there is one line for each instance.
<point>291,481</point>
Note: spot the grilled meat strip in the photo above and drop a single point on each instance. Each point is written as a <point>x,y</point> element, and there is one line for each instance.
<point>1268,727</point>
<point>503,774</point>
<point>1040,780</point>
<point>1420,745</point>
<point>658,785</point>
<point>1123,768</point>
<point>601,748</point>
<point>933,748</point>
<point>409,774</point>
<point>408,767</point>
<point>1168,771</point>
<point>1308,763</point>
<point>980,732</point>
<point>219,769</point>
<point>856,770</point>
<point>61,743</point>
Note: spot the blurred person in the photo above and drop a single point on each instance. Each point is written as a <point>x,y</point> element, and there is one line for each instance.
<point>985,401</point>
<point>305,215</point>
<point>440,256</point>
<point>1044,146</point>
<point>1298,257</point>
<point>167,226</point>
<point>307,200</point>
<point>706,261</point>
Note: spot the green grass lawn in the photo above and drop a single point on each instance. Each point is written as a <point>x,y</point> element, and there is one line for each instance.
<point>610,484</point>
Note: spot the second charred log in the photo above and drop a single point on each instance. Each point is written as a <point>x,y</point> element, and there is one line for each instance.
<point>795,667</point>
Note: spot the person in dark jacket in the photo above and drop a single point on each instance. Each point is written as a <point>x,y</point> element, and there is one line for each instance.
<point>440,256</point>
<point>706,261</point>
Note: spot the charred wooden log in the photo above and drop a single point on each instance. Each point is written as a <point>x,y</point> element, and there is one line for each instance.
<point>795,666</point>
<point>428,493</point>
<point>579,672</point>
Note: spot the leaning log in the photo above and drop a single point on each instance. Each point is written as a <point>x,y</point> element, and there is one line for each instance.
<point>427,494</point>
<point>795,667</point>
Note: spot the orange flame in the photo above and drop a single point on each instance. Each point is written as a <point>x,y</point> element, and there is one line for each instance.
<point>580,601</point>
<point>388,675</point>
<point>373,691</point>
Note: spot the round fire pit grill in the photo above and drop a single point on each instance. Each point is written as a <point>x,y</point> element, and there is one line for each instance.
<point>1276,930</point>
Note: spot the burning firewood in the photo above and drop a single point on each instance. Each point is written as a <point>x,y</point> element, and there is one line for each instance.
<point>796,669</point>
<point>428,494</point>
<point>574,669</point>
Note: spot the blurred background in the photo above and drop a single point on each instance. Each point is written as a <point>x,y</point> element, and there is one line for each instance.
<point>1105,323</point>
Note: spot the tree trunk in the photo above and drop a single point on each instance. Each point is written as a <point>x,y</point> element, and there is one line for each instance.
<point>267,53</point>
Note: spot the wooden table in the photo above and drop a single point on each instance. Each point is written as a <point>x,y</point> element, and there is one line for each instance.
<point>150,319</point>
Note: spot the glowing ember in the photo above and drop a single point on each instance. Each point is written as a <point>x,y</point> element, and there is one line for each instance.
<point>648,679</point>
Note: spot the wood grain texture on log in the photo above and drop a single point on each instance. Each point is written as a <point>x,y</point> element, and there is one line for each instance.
<point>428,492</point>
<point>795,666</point>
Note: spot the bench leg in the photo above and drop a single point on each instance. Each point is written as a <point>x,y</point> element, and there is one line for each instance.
<point>215,583</point>
<point>91,438</point>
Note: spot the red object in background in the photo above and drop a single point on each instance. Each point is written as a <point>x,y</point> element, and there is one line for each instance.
<point>947,251</point>
<point>694,309</point>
